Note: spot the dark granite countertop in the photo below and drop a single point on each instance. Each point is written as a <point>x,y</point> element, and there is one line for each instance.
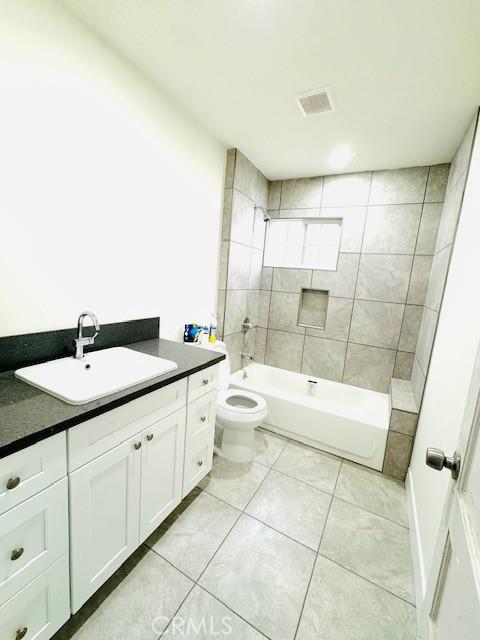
<point>28,415</point>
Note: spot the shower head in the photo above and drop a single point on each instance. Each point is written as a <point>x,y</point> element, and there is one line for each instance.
<point>266,217</point>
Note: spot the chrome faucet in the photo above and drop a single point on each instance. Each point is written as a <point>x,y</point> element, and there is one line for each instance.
<point>81,340</point>
<point>248,356</point>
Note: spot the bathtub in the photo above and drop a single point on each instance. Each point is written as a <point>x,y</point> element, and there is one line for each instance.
<point>344,420</point>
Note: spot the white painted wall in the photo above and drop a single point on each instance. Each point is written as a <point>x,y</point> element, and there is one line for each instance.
<point>110,196</point>
<point>453,357</point>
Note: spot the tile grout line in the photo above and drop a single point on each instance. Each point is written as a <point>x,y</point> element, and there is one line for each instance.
<point>316,555</point>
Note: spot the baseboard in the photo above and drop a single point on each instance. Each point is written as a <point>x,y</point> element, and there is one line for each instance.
<point>415,545</point>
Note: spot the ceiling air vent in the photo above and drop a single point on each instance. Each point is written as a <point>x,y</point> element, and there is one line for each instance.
<point>315,102</point>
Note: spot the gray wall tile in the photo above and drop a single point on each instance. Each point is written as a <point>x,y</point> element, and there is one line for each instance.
<point>438,278</point>
<point>234,345</point>
<point>426,337</point>
<point>259,227</point>
<point>227,213</point>
<point>397,455</point>
<point>403,365</point>
<point>353,224</point>
<point>230,168</point>
<point>274,194</point>
<point>220,312</point>
<point>384,277</point>
<point>346,190</point>
<point>255,275</point>
<point>340,283</point>
<point>417,382</point>
<point>428,231</point>
<point>245,176</point>
<point>403,422</point>
<point>261,197</point>
<point>339,313</point>
<point>238,266</point>
<point>235,310</point>
<point>392,228</point>
<point>260,344</point>
<point>437,183</point>
<point>223,266</point>
<point>284,312</point>
<point>263,308</point>
<point>241,229</point>
<point>412,319</point>
<point>301,192</point>
<point>284,350</point>
<point>369,367</point>
<point>417,290</point>
<point>450,213</point>
<point>399,186</point>
<point>253,297</point>
<point>291,279</point>
<point>377,324</point>
<point>267,276</point>
<point>324,358</point>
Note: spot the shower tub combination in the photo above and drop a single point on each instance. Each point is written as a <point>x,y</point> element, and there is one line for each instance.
<point>344,420</point>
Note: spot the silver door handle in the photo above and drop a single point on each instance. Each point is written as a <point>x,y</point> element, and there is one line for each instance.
<point>437,459</point>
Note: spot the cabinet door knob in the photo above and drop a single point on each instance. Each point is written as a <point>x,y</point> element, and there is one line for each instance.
<point>16,553</point>
<point>12,483</point>
<point>150,437</point>
<point>205,381</point>
<point>203,418</point>
<point>21,633</point>
<point>137,445</point>
<point>200,462</point>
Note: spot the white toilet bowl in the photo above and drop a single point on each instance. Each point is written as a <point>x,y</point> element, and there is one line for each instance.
<point>238,413</point>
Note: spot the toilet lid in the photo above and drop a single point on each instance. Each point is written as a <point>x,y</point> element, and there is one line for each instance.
<point>240,401</point>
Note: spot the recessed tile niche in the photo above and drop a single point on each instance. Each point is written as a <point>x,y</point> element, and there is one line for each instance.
<point>313,308</point>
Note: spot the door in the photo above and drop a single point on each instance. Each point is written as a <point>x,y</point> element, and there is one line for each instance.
<point>451,609</point>
<point>162,469</point>
<point>104,517</point>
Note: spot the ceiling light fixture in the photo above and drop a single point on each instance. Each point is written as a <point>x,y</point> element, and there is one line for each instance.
<point>341,156</point>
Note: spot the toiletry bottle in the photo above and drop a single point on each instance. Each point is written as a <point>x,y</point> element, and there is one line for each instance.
<point>213,329</point>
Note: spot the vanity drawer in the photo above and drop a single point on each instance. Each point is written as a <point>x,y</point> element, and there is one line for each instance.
<point>29,471</point>
<point>201,419</point>
<point>198,462</point>
<point>41,608</point>
<point>94,437</point>
<point>202,382</point>
<point>32,536</point>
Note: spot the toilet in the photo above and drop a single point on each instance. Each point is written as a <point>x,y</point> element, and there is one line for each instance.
<point>238,413</point>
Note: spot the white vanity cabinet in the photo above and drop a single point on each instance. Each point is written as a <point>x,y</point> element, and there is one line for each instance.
<point>34,571</point>
<point>75,506</point>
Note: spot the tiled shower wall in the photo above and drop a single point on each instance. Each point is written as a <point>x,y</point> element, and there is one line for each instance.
<point>441,260</point>
<point>241,254</point>
<point>377,293</point>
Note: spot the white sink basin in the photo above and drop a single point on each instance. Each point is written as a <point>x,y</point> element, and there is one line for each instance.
<point>96,375</point>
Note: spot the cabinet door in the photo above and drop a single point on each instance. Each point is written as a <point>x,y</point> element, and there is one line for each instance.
<point>32,536</point>
<point>41,608</point>
<point>162,469</point>
<point>104,517</point>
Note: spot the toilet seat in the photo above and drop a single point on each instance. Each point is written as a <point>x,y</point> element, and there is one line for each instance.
<point>225,408</point>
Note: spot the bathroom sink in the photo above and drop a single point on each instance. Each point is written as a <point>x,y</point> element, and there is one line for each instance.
<point>95,375</point>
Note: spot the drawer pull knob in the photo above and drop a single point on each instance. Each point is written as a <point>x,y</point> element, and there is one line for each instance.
<point>200,462</point>
<point>137,445</point>
<point>203,418</point>
<point>205,381</point>
<point>150,437</point>
<point>21,633</point>
<point>17,553</point>
<point>12,483</point>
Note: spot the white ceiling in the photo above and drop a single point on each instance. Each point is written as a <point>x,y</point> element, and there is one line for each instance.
<point>405,74</point>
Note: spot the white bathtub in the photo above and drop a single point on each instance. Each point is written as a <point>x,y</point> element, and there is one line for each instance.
<point>341,419</point>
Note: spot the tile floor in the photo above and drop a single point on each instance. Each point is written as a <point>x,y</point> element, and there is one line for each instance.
<point>296,545</point>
